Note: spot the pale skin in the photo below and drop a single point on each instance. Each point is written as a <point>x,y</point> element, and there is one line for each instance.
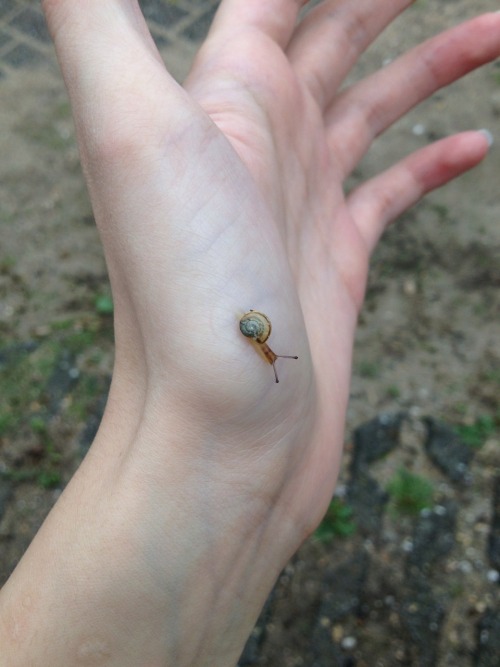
<point>212,199</point>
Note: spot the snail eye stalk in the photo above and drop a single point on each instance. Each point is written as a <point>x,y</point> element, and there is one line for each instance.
<point>257,326</point>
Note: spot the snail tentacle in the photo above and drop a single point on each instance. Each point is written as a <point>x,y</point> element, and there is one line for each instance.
<point>257,326</point>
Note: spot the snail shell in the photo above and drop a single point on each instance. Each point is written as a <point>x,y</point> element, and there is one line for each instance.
<point>255,325</point>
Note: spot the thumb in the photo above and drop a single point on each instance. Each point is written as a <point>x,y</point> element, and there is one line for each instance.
<point>110,64</point>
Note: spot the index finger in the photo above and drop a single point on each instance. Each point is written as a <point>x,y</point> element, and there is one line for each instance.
<point>275,19</point>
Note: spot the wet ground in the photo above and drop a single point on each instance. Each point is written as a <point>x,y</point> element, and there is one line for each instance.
<point>405,569</point>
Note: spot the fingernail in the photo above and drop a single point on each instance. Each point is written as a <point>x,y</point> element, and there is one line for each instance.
<point>489,137</point>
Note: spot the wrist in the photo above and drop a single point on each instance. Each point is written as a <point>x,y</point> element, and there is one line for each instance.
<point>148,544</point>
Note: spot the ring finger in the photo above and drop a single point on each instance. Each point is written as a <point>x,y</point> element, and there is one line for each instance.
<point>331,38</point>
<point>368,108</point>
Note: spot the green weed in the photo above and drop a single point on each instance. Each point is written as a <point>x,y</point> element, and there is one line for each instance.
<point>410,493</point>
<point>476,434</point>
<point>104,304</point>
<point>369,369</point>
<point>338,522</point>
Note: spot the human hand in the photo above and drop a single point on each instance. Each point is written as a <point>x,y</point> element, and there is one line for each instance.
<point>219,197</point>
<point>228,195</point>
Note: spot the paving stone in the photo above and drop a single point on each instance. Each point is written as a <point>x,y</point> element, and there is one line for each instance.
<point>197,30</point>
<point>12,353</point>
<point>4,38</point>
<point>494,537</point>
<point>447,451</point>
<point>488,640</point>
<point>434,536</point>
<point>251,652</point>
<point>6,6</point>
<point>32,23</point>
<point>368,501</point>
<point>375,439</point>
<point>160,40</point>
<point>162,13</point>
<point>343,587</point>
<point>5,494</point>
<point>22,55</point>
<point>422,616</point>
<point>63,379</point>
<point>94,420</point>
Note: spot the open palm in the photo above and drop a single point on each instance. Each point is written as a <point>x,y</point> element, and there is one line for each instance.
<point>212,199</point>
<point>227,195</point>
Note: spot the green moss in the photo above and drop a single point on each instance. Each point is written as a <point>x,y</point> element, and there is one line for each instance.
<point>393,391</point>
<point>338,522</point>
<point>31,395</point>
<point>410,493</point>
<point>104,304</point>
<point>24,375</point>
<point>49,479</point>
<point>369,369</point>
<point>476,434</point>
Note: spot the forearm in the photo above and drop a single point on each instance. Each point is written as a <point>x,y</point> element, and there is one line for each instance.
<point>147,559</point>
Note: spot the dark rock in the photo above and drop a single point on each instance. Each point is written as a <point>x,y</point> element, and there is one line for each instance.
<point>422,617</point>
<point>13,353</point>
<point>252,650</point>
<point>434,536</point>
<point>343,588</point>
<point>197,30</point>
<point>494,537</point>
<point>23,55</point>
<point>327,653</point>
<point>5,494</point>
<point>31,22</point>
<point>63,379</point>
<point>367,500</point>
<point>165,14</point>
<point>374,440</point>
<point>488,640</point>
<point>93,422</point>
<point>447,451</point>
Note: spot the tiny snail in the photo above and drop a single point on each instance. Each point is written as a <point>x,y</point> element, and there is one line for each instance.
<point>257,326</point>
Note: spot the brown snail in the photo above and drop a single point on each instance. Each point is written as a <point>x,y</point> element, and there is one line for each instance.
<point>257,326</point>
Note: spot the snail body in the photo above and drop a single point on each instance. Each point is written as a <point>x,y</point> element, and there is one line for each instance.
<point>257,326</point>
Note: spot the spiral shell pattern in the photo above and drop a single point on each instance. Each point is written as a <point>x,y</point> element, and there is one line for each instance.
<point>255,325</point>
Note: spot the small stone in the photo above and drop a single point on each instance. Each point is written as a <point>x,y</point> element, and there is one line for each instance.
<point>407,545</point>
<point>348,643</point>
<point>493,576</point>
<point>465,567</point>
<point>337,633</point>
<point>409,287</point>
<point>447,451</point>
<point>494,536</point>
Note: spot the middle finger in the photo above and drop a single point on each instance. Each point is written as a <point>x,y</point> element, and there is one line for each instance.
<point>330,39</point>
